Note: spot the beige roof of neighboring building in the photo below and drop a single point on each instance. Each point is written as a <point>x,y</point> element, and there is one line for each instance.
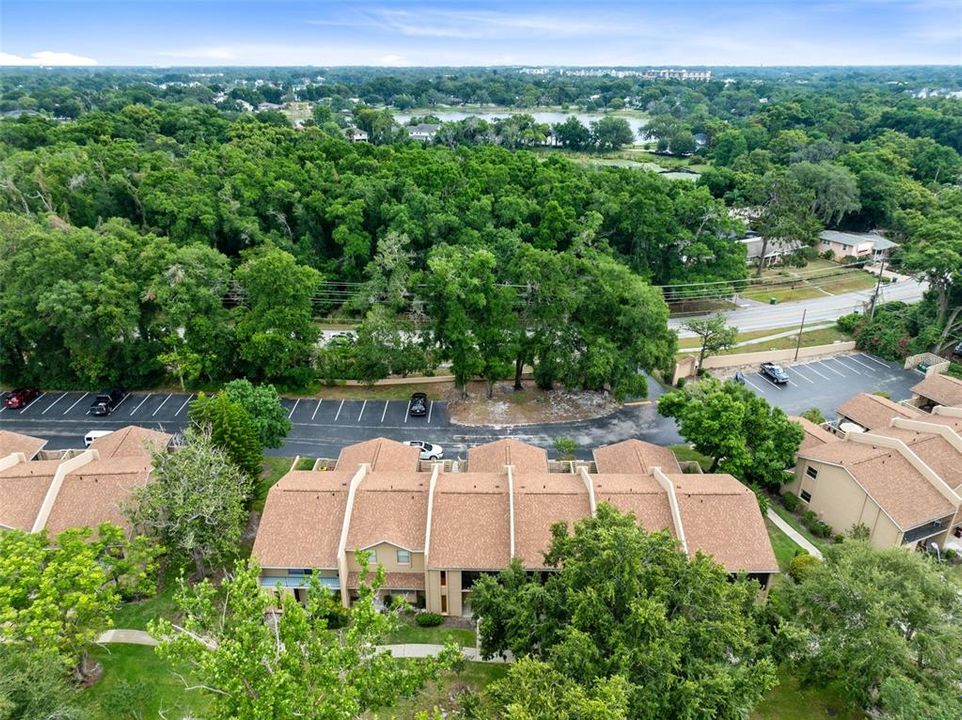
<point>541,500</point>
<point>302,519</point>
<point>873,411</point>
<point>470,525</point>
<point>638,494</point>
<point>892,481</point>
<point>815,436</point>
<point>942,389</point>
<point>380,454</point>
<point>390,507</point>
<point>13,442</point>
<point>492,457</point>
<point>635,456</point>
<point>97,492</point>
<point>131,441</point>
<point>721,518</point>
<point>22,490</point>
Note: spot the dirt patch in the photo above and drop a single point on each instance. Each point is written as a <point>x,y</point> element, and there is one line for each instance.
<point>530,406</point>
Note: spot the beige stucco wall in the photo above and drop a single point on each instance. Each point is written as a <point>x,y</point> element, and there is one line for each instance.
<point>432,591</point>
<point>454,592</point>
<point>387,556</point>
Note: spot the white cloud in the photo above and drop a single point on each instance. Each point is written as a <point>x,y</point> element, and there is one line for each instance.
<point>202,53</point>
<point>45,57</point>
<point>393,60</point>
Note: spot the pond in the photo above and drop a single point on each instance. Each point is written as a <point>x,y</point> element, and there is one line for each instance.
<point>552,118</point>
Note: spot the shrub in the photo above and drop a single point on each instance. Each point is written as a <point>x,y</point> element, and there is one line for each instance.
<point>828,255</point>
<point>428,619</point>
<point>791,501</point>
<point>814,415</point>
<point>950,555</point>
<point>388,600</point>
<point>565,447</point>
<point>808,517</point>
<point>681,383</point>
<point>801,566</point>
<point>762,497</point>
<point>859,532</point>
<point>821,529</point>
<point>848,323</point>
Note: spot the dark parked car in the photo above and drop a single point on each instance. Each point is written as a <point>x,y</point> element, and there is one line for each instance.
<point>419,404</point>
<point>107,401</point>
<point>20,397</point>
<point>957,350</point>
<point>774,373</point>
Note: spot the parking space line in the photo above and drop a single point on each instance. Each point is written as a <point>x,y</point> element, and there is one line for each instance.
<point>123,401</point>
<point>867,367</point>
<point>808,366</point>
<point>54,403</point>
<point>385,411</point>
<point>189,398</point>
<point>31,404</point>
<point>162,404</point>
<point>146,398</point>
<point>314,414</point>
<point>430,409</point>
<point>753,385</point>
<point>829,367</point>
<point>75,404</point>
<point>877,362</point>
<point>772,382</point>
<point>363,405</point>
<point>3,408</point>
<point>799,373</point>
<point>291,413</point>
<point>407,412</point>
<point>847,367</point>
<point>339,411</point>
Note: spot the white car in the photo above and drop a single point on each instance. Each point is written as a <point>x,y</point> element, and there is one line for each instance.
<point>93,435</point>
<point>429,451</point>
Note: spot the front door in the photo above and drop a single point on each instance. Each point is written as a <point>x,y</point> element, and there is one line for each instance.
<point>444,604</point>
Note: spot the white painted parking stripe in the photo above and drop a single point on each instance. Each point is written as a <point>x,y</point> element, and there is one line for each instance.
<point>867,367</point>
<point>799,373</point>
<point>808,366</point>
<point>385,411</point>
<point>339,411</point>
<point>291,413</point>
<point>430,409</point>
<point>753,385</point>
<point>162,404</point>
<point>363,405</point>
<point>31,403</point>
<point>314,414</point>
<point>124,400</point>
<point>877,362</point>
<point>3,408</point>
<point>75,404</point>
<point>772,382</point>
<point>146,398</point>
<point>847,366</point>
<point>189,398</point>
<point>407,412</point>
<point>54,403</point>
<point>826,366</point>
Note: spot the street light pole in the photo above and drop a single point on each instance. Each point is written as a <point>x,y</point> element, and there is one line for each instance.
<point>800,329</point>
<point>878,284</point>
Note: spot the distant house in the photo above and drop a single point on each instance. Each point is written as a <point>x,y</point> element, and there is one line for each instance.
<point>355,135</point>
<point>423,132</point>
<point>864,246</point>
<point>269,106</point>
<point>774,253</point>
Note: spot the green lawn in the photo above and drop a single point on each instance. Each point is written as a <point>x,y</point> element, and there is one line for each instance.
<point>438,694</point>
<point>809,286</point>
<point>823,336</point>
<point>820,543</point>
<point>138,684</point>
<point>409,632</point>
<point>784,547</point>
<point>683,453</point>
<point>135,615</point>
<point>789,702</point>
<point>274,469</point>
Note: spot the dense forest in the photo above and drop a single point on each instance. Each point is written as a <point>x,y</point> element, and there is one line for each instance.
<point>152,230</point>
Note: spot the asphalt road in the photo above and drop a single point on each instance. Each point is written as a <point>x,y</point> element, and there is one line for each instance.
<point>821,309</point>
<point>322,427</point>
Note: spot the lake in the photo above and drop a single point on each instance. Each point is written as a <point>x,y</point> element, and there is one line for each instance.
<point>552,118</point>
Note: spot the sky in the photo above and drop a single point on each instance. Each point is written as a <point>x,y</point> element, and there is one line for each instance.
<point>681,33</point>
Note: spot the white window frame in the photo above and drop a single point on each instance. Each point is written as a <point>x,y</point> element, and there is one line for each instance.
<point>405,552</point>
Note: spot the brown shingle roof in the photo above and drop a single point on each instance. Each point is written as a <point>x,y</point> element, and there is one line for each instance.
<point>941,389</point>
<point>380,454</point>
<point>873,411</point>
<point>22,490</point>
<point>492,457</point>
<point>392,580</point>
<point>390,507</point>
<point>721,518</point>
<point>97,492</point>
<point>635,456</point>
<point>302,520</point>
<point>469,525</point>
<point>12,442</point>
<point>131,441</point>
<point>540,500</point>
<point>638,494</point>
<point>815,436</point>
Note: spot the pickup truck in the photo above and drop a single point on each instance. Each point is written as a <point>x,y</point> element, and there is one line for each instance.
<point>107,401</point>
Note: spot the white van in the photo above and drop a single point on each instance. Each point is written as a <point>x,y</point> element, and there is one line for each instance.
<point>93,435</point>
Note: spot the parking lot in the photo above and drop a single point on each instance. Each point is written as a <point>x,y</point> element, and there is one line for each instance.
<point>63,417</point>
<point>827,383</point>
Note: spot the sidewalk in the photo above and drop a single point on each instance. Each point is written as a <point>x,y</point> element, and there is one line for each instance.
<point>409,650</point>
<point>793,534</point>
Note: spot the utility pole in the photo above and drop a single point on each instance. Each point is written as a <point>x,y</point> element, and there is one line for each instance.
<point>800,329</point>
<point>875,294</point>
